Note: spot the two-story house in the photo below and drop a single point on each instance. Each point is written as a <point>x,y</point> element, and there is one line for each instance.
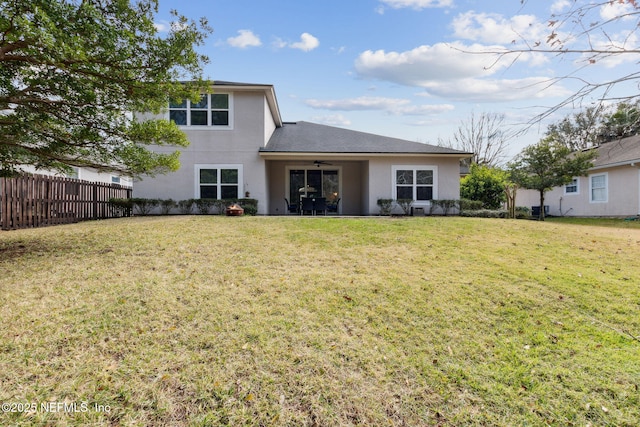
<point>241,147</point>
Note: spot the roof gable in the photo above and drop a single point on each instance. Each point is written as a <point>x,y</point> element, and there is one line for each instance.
<point>305,137</point>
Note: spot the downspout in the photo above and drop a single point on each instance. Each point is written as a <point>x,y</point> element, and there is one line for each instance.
<point>561,214</point>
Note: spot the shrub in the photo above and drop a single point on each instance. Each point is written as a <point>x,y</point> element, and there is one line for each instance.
<point>144,206</point>
<point>486,213</point>
<point>446,205</point>
<point>486,184</point>
<point>185,206</point>
<point>220,205</point>
<point>523,212</point>
<point>166,206</point>
<point>123,207</point>
<point>250,206</point>
<point>203,205</point>
<point>385,206</point>
<point>470,205</point>
<point>405,205</point>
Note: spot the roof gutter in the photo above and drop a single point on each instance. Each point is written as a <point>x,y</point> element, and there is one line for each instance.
<point>633,163</point>
<point>354,155</point>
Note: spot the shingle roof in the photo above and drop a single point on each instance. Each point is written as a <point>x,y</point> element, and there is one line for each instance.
<point>305,137</point>
<point>618,152</point>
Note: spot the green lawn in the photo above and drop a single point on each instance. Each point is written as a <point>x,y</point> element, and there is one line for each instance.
<point>208,320</point>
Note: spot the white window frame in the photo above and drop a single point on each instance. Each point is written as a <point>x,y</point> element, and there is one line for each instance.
<point>577,185</point>
<point>209,110</point>
<point>605,187</point>
<point>415,168</point>
<point>198,167</point>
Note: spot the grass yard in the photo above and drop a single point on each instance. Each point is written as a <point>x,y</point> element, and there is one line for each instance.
<point>276,321</point>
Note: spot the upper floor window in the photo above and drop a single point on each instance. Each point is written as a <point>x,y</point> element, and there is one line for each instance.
<point>211,110</point>
<point>572,187</point>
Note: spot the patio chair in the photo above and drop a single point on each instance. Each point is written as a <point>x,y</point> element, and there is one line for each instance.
<point>291,208</point>
<point>320,205</point>
<point>333,207</point>
<point>307,206</point>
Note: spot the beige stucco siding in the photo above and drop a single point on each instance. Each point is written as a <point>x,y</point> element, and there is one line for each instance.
<point>622,189</point>
<point>447,185</point>
<point>211,146</point>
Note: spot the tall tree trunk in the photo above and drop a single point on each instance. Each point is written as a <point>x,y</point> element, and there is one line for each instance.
<point>541,216</point>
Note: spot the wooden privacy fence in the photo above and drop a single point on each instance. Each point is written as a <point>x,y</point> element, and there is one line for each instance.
<point>29,201</point>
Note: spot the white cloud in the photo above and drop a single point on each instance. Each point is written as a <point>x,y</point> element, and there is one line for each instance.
<point>162,26</point>
<point>494,90</point>
<point>424,64</point>
<point>613,10</point>
<point>417,4</point>
<point>358,104</point>
<point>245,39</point>
<point>455,72</point>
<point>278,43</point>
<point>332,120</point>
<point>560,5</point>
<point>495,28</point>
<point>339,50</point>
<point>397,106</point>
<point>307,43</point>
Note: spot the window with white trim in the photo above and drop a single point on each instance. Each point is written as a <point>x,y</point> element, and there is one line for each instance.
<point>415,182</point>
<point>573,187</point>
<point>218,181</point>
<point>212,110</point>
<point>598,191</point>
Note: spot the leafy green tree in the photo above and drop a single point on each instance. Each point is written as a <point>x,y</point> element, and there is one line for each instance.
<point>596,125</point>
<point>549,164</point>
<point>485,184</point>
<point>621,123</point>
<point>578,131</point>
<point>73,72</point>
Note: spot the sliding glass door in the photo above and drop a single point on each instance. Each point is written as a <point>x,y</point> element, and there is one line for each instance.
<point>314,183</point>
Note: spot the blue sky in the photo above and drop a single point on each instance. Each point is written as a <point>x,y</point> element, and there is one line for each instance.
<point>399,68</point>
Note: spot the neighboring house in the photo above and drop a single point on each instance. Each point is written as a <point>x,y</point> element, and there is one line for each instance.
<point>240,147</point>
<point>85,174</point>
<point>611,188</point>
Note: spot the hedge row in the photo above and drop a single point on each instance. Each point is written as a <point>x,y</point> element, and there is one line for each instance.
<point>142,206</point>
<point>522,212</point>
<point>465,207</point>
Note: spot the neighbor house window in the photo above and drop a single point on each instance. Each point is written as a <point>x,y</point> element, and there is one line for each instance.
<point>598,188</point>
<point>572,187</point>
<point>414,182</point>
<point>211,110</point>
<point>115,179</point>
<point>218,181</point>
<point>74,173</point>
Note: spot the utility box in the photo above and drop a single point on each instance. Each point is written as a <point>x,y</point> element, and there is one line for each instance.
<point>417,211</point>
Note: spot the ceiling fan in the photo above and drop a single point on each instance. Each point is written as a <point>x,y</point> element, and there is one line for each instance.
<point>320,162</point>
